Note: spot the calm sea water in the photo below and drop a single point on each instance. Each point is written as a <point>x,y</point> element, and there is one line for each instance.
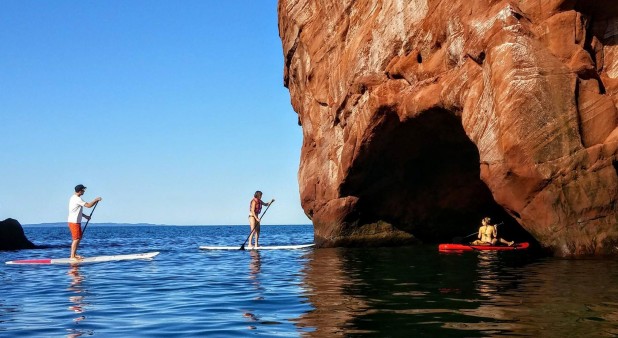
<point>379,292</point>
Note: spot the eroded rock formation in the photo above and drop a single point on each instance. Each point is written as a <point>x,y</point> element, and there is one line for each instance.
<point>12,236</point>
<point>421,116</point>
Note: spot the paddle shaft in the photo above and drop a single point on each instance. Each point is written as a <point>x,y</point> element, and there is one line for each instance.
<point>474,233</point>
<point>88,221</point>
<point>242,247</point>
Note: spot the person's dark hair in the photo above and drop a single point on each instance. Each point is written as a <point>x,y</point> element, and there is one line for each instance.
<point>257,193</point>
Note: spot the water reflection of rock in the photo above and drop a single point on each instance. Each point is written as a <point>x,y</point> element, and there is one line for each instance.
<point>327,282</point>
<point>415,292</point>
<point>562,298</point>
<point>576,298</point>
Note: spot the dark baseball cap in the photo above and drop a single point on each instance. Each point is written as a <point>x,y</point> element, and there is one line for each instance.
<point>79,187</point>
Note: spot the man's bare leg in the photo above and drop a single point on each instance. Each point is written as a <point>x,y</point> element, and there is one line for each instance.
<point>74,246</point>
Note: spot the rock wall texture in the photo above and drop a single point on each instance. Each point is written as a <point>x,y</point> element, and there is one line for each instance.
<point>421,116</point>
<point>12,236</point>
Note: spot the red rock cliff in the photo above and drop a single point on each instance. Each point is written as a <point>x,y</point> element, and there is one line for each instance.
<point>421,116</point>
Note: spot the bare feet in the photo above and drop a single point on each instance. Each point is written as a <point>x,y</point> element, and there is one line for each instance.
<point>511,243</point>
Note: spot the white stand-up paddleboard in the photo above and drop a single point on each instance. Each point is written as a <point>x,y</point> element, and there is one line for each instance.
<point>272,247</point>
<point>86,260</point>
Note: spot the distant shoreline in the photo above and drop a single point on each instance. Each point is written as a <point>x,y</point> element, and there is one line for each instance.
<point>64,224</point>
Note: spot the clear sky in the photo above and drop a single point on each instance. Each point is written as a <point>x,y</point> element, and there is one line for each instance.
<point>174,112</point>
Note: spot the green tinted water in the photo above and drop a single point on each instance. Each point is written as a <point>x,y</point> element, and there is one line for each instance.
<point>418,292</point>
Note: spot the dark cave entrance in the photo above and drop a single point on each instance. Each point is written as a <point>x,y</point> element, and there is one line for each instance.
<point>423,177</point>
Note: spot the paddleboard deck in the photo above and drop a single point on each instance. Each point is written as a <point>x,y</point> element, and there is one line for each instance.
<point>466,247</point>
<point>271,247</point>
<point>87,260</point>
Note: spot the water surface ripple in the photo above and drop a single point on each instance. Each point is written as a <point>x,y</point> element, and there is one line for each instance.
<point>378,292</point>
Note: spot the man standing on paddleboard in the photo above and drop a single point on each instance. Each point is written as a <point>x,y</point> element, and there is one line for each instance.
<point>255,207</point>
<point>76,205</point>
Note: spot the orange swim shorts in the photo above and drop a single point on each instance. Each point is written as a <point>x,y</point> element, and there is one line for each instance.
<point>76,230</point>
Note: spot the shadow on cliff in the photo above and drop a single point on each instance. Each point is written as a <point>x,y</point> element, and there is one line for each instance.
<point>423,177</point>
<point>600,16</point>
<point>597,10</point>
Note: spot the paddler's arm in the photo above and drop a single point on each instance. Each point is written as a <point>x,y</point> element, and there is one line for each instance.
<point>94,201</point>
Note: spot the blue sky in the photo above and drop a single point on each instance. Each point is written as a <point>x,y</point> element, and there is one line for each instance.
<point>173,111</point>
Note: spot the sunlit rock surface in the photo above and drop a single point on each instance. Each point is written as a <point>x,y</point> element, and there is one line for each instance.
<point>419,117</point>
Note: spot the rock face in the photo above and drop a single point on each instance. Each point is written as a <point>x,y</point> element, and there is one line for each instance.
<point>12,236</point>
<point>421,116</point>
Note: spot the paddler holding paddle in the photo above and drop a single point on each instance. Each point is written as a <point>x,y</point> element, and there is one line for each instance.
<point>488,234</point>
<point>255,207</point>
<point>76,205</point>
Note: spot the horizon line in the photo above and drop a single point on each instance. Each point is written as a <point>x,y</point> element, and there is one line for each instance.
<point>155,224</point>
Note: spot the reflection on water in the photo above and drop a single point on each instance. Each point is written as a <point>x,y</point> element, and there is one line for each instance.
<point>77,300</point>
<point>380,292</point>
<point>328,283</point>
<point>76,287</point>
<point>255,268</point>
<point>414,291</point>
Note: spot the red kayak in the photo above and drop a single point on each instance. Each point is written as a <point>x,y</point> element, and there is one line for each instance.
<point>467,247</point>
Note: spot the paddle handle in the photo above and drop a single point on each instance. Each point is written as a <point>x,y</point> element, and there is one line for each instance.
<point>89,216</point>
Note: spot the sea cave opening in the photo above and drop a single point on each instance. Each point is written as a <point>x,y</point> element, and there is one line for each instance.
<point>423,177</point>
